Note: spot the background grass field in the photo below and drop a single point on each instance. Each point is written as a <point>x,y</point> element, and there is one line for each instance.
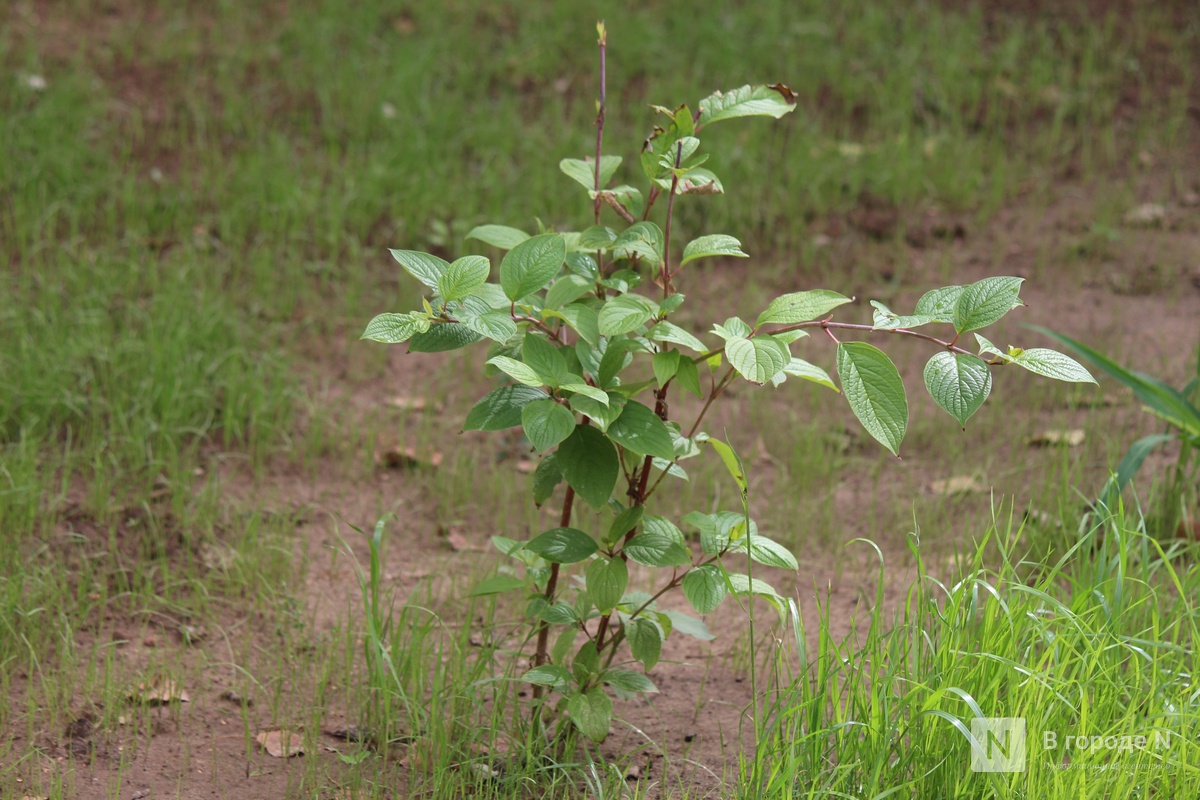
<point>195,205</point>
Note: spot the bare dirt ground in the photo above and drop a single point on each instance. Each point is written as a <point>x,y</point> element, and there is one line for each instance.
<point>1142,293</point>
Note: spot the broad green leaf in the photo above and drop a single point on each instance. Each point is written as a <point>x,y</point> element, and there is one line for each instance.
<point>563,644</point>
<point>800,368</point>
<point>801,307</point>
<point>986,348</point>
<point>545,478</point>
<point>584,320</point>
<point>666,364</point>
<point>443,337</point>
<point>597,237</point>
<point>463,277</point>
<point>591,713</point>
<point>576,385</point>
<point>745,585</point>
<point>875,392</point>
<point>497,584</point>
<point>696,181</point>
<point>629,681</point>
<point>616,357</point>
<point>1053,364</point>
<point>495,325</point>
<point>546,423</point>
<point>500,236</point>
<point>887,320</point>
<point>645,641</point>
<point>624,522</point>
<point>589,463</point>
<point>624,314</point>
<point>958,383</point>
<point>519,372</point>
<point>643,239</point>
<point>679,152</point>
<point>548,675</point>
<point>688,377</point>
<point>566,289</point>
<point>747,101</point>
<point>787,337</point>
<point>639,430</point>
<point>704,588</point>
<point>424,267</point>
<point>985,302</point>
<point>766,551</point>
<point>584,171</point>
<point>758,359</point>
<point>531,265</point>
<point>718,244</point>
<point>733,463</point>
<point>606,580</point>
<point>603,415</point>
<point>545,359</point>
<point>501,408</point>
<point>396,328</point>
<point>583,265</point>
<point>688,625</point>
<point>655,548</point>
<point>733,328</point>
<point>670,332</point>
<point>939,303</point>
<point>562,545</point>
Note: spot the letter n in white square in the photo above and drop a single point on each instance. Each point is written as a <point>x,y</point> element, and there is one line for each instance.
<point>1000,744</point>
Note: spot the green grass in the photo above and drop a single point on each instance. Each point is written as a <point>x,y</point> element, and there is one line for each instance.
<point>194,213</point>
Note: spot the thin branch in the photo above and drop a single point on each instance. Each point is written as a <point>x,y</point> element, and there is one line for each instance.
<point>603,42</point>
<point>665,272</point>
<point>827,324</point>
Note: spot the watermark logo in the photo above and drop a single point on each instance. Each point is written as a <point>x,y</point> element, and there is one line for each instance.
<point>1000,744</point>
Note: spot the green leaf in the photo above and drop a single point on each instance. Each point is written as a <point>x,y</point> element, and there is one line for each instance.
<point>985,302</point>
<point>584,320</point>
<point>800,368</point>
<point>939,303</point>
<point>645,641</point>
<point>666,364</point>
<point>603,415</point>
<point>501,408</point>
<point>1053,364</point>
<point>658,549</point>
<point>545,359</point>
<point>639,430</point>
<point>546,423</point>
<point>562,545</point>
<point>591,713</point>
<point>747,101</point>
<point>606,580</point>
<point>625,522</point>
<point>696,181</point>
<point>670,332</point>
<point>396,328</point>
<point>642,239</point>
<point>597,237</point>
<point>567,289</point>
<point>704,588</point>
<point>688,377</point>
<point>545,478</point>
<point>577,386</point>
<point>497,584</point>
<point>616,357</point>
<point>548,675</point>
<point>590,465</point>
<point>886,320</point>
<point>745,585</point>
<point>958,383</point>
<point>624,314</point>
<point>733,463</point>
<point>583,265</point>
<point>518,371</point>
<point>424,267</point>
<point>718,244</point>
<point>495,325</point>
<point>531,265</point>
<point>463,277</point>
<point>443,337</point>
<point>500,236</point>
<point>688,625</point>
<point>584,172</point>
<point>801,307</point>
<point>733,328</point>
<point>767,552</point>
<point>629,681</point>
<point>758,359</point>
<point>875,392</point>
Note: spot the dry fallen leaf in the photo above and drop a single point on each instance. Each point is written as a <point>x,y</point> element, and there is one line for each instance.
<point>1146,215</point>
<point>959,484</point>
<point>281,744</point>
<point>525,466</point>
<point>407,458</point>
<point>1071,438</point>
<point>160,691</point>
<point>406,403</point>
<point>216,556</point>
